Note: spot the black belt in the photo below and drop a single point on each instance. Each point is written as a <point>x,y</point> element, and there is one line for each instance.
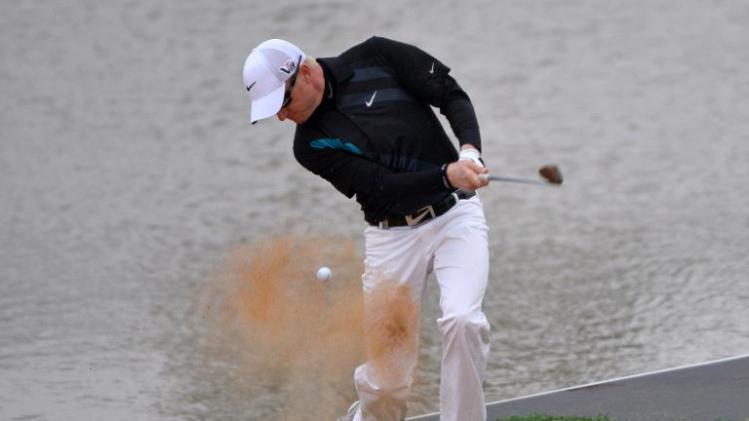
<point>426,213</point>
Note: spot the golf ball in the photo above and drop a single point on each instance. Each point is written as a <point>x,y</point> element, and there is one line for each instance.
<point>324,273</point>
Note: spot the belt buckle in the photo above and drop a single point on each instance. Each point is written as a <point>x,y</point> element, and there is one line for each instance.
<point>422,213</point>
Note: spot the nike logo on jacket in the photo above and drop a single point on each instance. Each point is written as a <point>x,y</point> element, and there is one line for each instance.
<point>371,100</point>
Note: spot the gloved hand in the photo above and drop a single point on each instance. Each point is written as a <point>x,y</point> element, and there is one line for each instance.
<point>465,174</point>
<point>471,154</point>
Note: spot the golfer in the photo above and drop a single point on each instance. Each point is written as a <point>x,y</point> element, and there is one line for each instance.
<point>364,122</point>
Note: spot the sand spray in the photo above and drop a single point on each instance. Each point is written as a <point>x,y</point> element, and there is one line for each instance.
<point>298,339</point>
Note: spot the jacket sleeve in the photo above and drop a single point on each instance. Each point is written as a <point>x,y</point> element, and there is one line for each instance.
<point>429,81</point>
<point>351,172</point>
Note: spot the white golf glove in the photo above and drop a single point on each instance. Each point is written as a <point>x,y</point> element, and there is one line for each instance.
<point>471,154</point>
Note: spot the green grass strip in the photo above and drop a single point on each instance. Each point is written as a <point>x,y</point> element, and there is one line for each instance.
<point>540,417</point>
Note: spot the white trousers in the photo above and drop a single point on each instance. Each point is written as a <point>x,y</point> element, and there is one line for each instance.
<point>455,247</point>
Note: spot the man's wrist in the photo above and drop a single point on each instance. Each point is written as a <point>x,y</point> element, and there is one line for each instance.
<point>471,154</point>
<point>468,145</point>
<point>445,178</point>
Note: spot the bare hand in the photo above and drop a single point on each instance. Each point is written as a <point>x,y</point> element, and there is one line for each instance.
<point>465,175</point>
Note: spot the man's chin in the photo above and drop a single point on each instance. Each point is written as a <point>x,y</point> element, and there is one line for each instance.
<point>299,120</point>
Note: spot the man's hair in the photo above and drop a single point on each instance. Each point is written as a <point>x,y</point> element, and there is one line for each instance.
<point>310,61</point>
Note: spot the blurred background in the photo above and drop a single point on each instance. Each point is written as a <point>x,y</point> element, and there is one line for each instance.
<point>129,173</point>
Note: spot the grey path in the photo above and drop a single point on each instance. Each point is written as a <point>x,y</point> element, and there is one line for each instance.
<point>705,392</point>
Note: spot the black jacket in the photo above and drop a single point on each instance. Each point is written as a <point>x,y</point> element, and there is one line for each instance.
<point>375,134</point>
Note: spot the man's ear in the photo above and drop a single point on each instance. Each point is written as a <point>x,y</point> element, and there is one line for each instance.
<point>305,69</point>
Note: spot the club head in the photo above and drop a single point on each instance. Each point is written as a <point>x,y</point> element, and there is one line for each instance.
<point>551,174</point>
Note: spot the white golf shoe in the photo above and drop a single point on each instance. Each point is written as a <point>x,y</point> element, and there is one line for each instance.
<point>353,413</point>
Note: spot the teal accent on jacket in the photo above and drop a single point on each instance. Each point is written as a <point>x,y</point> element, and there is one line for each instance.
<point>330,143</point>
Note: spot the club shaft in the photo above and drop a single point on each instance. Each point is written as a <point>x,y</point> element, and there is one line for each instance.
<point>505,179</point>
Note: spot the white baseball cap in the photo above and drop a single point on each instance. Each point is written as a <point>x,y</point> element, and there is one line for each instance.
<point>265,73</point>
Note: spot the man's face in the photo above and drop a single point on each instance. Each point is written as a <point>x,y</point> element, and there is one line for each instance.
<point>301,97</point>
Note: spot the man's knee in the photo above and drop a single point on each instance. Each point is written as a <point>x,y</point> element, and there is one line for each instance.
<point>373,384</point>
<point>472,323</point>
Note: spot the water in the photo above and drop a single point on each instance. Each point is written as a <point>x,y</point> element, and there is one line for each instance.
<point>128,172</point>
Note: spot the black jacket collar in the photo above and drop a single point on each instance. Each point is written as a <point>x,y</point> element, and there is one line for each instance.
<point>338,68</point>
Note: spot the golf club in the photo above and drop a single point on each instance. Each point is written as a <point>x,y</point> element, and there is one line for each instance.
<point>551,176</point>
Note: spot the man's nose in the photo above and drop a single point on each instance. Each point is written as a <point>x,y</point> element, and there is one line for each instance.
<point>281,115</point>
